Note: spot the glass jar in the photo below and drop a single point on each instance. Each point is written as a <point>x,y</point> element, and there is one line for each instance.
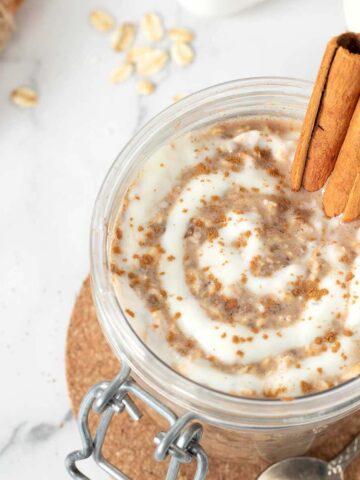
<point>235,428</point>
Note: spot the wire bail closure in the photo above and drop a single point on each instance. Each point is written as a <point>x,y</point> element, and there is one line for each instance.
<point>181,442</point>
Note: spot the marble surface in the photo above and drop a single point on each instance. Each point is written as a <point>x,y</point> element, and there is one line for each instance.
<point>54,157</point>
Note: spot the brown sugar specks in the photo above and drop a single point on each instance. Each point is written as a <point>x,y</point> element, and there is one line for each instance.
<point>309,290</point>
<point>116,270</point>
<point>231,304</point>
<point>274,393</point>
<point>146,260</point>
<point>274,172</point>
<point>243,278</point>
<point>130,312</point>
<point>330,336</point>
<point>116,249</point>
<point>201,169</point>
<point>235,159</point>
<point>170,337</point>
<point>345,259</point>
<point>306,387</point>
<point>349,277</point>
<point>254,265</point>
<point>242,240</point>
<point>212,233</point>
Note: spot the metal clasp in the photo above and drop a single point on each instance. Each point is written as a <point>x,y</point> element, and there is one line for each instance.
<point>181,441</point>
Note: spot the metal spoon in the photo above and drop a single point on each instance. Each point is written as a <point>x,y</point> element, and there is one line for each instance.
<point>306,468</point>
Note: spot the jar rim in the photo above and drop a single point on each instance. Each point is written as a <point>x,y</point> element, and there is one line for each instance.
<point>215,406</point>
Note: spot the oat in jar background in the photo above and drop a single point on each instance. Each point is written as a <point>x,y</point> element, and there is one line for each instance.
<point>57,148</point>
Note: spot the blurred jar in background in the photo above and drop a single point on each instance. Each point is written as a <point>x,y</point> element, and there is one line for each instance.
<point>352,14</point>
<point>217,7</point>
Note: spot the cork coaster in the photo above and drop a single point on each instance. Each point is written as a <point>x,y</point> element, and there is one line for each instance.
<point>129,445</point>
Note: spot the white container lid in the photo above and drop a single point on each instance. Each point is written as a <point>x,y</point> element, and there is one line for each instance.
<point>352,15</point>
<point>216,7</point>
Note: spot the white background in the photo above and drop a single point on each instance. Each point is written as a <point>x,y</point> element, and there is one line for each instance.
<point>54,157</point>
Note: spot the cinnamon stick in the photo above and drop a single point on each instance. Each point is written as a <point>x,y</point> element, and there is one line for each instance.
<point>352,208</point>
<point>298,166</point>
<point>346,169</point>
<point>328,116</point>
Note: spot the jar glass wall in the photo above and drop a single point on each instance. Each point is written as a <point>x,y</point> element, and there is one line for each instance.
<point>237,427</point>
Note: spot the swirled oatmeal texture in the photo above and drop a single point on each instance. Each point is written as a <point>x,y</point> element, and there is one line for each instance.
<point>231,278</point>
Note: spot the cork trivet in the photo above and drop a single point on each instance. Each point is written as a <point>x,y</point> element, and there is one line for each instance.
<point>129,445</point>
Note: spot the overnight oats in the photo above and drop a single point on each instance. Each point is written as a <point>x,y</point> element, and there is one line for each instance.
<point>230,277</point>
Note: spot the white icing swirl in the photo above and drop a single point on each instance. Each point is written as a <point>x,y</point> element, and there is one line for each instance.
<point>287,355</point>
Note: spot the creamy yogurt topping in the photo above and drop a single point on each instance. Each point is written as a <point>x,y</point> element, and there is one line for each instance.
<point>231,278</point>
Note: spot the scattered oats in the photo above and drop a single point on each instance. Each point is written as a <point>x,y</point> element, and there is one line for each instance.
<point>151,62</point>
<point>182,53</point>
<point>146,60</point>
<point>136,52</point>
<point>145,87</point>
<point>24,97</point>
<point>124,37</point>
<point>180,34</point>
<point>152,27</point>
<point>178,96</point>
<point>122,73</point>
<point>101,20</point>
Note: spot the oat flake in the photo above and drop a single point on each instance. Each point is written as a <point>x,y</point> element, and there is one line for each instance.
<point>182,53</point>
<point>101,20</point>
<point>152,27</point>
<point>180,34</point>
<point>135,53</point>
<point>145,87</point>
<point>24,97</point>
<point>124,37</point>
<point>122,73</point>
<point>151,62</point>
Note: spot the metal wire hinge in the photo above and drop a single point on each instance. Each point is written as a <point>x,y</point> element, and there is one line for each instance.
<point>181,442</point>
